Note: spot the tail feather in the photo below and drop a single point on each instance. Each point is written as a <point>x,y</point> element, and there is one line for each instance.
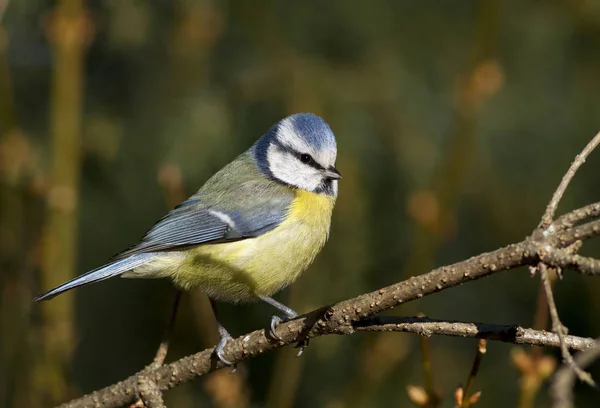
<point>104,272</point>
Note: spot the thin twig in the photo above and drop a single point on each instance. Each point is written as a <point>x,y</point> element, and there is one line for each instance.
<point>561,389</point>
<point>563,259</point>
<point>481,350</point>
<point>545,226</point>
<point>424,397</point>
<point>576,216</point>
<point>559,329</point>
<point>530,379</point>
<point>562,187</point>
<point>581,232</point>
<point>496,332</point>
<point>426,361</point>
<point>163,348</point>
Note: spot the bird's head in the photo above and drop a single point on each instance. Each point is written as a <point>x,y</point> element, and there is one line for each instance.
<point>300,151</point>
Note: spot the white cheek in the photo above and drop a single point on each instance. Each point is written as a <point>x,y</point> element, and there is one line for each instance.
<point>308,178</point>
<point>290,170</point>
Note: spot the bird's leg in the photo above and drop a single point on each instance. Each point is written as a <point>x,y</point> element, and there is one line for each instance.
<point>276,320</point>
<point>224,337</point>
<point>161,353</point>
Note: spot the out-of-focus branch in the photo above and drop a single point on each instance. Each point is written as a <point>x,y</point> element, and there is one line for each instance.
<point>68,29</point>
<point>466,398</point>
<point>426,396</point>
<point>561,390</point>
<point>433,208</point>
<point>533,366</point>
<point>7,115</point>
<point>3,7</point>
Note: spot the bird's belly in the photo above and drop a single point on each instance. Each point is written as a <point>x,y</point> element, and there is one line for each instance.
<point>242,270</point>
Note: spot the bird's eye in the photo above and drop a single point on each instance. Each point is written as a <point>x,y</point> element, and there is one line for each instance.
<point>305,158</point>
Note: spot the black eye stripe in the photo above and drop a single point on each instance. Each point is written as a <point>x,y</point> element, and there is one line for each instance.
<point>311,162</point>
<point>293,152</point>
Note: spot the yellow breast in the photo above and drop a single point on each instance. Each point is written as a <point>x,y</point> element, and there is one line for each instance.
<point>242,270</point>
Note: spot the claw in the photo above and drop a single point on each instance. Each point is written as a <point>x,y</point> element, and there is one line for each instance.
<point>224,338</point>
<point>219,352</point>
<point>275,321</point>
<point>301,346</point>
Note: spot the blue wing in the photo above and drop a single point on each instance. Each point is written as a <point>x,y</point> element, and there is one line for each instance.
<point>181,227</point>
<point>255,210</point>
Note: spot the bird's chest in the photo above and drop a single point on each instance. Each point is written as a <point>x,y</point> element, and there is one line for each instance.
<point>266,264</point>
<point>283,253</point>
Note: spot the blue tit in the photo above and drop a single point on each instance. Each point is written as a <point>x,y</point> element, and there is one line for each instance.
<point>250,230</point>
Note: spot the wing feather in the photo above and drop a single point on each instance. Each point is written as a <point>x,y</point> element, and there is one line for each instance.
<point>179,229</point>
<point>220,211</point>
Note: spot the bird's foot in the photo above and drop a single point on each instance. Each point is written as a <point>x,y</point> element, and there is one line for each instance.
<point>225,337</point>
<point>276,321</point>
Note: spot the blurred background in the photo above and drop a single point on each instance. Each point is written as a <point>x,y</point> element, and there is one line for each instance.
<point>455,121</point>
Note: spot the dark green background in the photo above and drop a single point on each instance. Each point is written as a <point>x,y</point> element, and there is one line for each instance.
<point>455,121</point>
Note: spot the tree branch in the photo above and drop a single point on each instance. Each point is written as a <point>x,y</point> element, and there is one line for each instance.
<point>562,187</point>
<point>550,244</point>
<point>562,259</point>
<point>559,328</point>
<point>340,318</point>
<point>582,232</point>
<point>150,394</point>
<point>507,333</point>
<point>546,228</point>
<point>467,399</point>
<point>584,213</point>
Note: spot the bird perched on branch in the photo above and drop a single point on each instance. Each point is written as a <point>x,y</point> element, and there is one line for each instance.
<point>250,230</point>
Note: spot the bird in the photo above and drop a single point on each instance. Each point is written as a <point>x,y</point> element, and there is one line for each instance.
<point>249,231</point>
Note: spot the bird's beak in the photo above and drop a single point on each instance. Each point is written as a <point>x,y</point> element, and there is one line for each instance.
<point>332,173</point>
